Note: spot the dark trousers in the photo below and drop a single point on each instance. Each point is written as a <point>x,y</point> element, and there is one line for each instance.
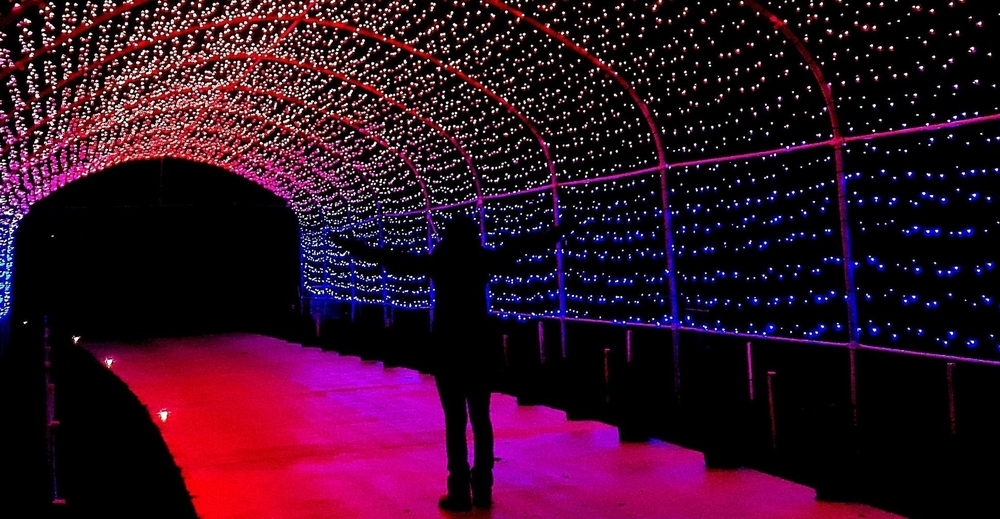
<point>466,398</point>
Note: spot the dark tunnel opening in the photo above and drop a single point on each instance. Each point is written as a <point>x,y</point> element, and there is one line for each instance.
<point>157,249</point>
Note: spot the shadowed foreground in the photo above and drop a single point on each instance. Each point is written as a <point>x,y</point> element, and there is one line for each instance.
<point>112,461</point>
<point>266,429</point>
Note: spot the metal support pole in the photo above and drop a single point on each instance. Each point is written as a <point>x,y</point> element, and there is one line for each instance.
<point>541,342</point>
<point>560,270</point>
<point>750,369</point>
<point>628,346</point>
<point>850,292</point>
<point>385,281</point>
<point>354,292</point>
<point>430,313</point>
<point>506,352</point>
<point>951,398</point>
<point>852,353</point>
<point>354,279</point>
<point>770,406</point>
<point>676,351</point>
<point>52,425</point>
<point>481,218</point>
<point>430,282</point>
<point>325,283</point>
<point>668,241</point>
<point>562,336</point>
<point>607,376</point>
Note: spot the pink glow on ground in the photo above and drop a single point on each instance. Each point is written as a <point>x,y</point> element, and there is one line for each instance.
<point>266,429</point>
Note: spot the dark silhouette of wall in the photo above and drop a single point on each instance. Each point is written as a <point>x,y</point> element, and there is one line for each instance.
<point>157,248</point>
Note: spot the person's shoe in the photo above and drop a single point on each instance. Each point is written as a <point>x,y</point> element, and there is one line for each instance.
<point>482,488</point>
<point>454,503</point>
<point>482,498</point>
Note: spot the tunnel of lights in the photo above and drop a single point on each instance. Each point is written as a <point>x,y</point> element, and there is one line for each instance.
<point>816,172</point>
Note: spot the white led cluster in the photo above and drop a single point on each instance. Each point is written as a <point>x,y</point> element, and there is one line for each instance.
<point>732,157</point>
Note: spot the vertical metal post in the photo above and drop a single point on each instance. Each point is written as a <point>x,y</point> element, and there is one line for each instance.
<point>951,398</point>
<point>850,292</point>
<point>668,242</point>
<point>750,369</point>
<point>354,291</point>
<point>506,352</point>
<point>850,289</point>
<point>628,346</point>
<point>852,353</point>
<point>541,342</point>
<point>50,438</point>
<point>430,282</point>
<point>52,425</point>
<point>381,245</point>
<point>560,270</point>
<point>675,340</point>
<point>430,313</point>
<point>607,376</point>
<point>326,268</point>
<point>354,277</point>
<point>562,334</point>
<point>770,406</point>
<point>481,216</point>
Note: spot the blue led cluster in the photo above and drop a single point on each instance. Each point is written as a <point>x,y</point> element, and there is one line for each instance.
<point>784,168</point>
<point>926,230</point>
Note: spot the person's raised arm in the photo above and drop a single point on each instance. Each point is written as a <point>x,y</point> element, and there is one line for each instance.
<point>516,247</point>
<point>399,262</point>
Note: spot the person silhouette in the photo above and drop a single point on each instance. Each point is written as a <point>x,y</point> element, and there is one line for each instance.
<point>464,369</point>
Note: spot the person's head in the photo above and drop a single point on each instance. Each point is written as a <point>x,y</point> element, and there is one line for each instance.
<point>461,229</point>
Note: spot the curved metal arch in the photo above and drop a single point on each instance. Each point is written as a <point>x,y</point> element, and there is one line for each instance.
<point>450,69</point>
<point>319,205</point>
<point>290,182</point>
<point>597,62</point>
<point>258,58</point>
<point>554,180</point>
<point>289,196</point>
<point>850,287</point>
<point>285,190</point>
<point>326,114</point>
<point>838,158</point>
<point>137,46</point>
<point>668,234</point>
<point>80,136</point>
<point>97,119</point>
<point>130,49</point>
<point>247,139</point>
<point>356,127</point>
<point>395,103</point>
<point>23,62</point>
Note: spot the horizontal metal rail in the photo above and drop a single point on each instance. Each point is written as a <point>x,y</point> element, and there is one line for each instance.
<point>756,337</point>
<point>694,163</point>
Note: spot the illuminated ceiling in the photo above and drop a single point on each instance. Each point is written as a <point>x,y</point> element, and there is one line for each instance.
<point>389,117</point>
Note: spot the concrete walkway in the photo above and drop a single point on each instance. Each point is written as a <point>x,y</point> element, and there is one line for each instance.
<point>265,429</point>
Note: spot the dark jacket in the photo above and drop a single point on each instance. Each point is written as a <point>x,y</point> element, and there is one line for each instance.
<point>460,270</point>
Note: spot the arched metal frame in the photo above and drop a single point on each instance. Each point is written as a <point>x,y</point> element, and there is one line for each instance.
<point>836,143</point>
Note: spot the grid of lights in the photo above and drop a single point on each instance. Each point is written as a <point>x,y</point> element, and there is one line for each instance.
<point>782,168</point>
